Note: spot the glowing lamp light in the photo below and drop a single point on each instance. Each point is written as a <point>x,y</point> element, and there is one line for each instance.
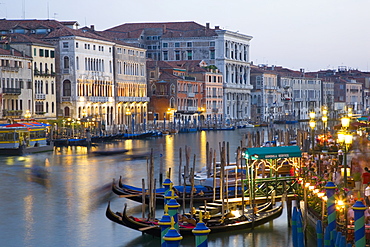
<point>341,137</point>
<point>311,187</point>
<point>324,119</point>
<point>321,194</point>
<point>324,111</point>
<point>312,115</point>
<point>315,191</point>
<point>307,185</point>
<point>347,139</point>
<point>348,172</point>
<point>345,122</point>
<point>312,124</point>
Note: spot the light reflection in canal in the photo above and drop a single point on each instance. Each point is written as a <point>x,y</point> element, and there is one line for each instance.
<point>68,208</point>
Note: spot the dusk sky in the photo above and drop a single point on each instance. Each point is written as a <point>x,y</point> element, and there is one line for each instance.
<point>311,34</point>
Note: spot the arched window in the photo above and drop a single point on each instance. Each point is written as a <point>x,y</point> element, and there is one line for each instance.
<point>66,88</point>
<point>66,62</point>
<point>172,103</point>
<point>172,90</point>
<point>66,111</point>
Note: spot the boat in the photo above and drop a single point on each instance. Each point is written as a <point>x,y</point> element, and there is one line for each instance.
<point>244,222</point>
<point>243,125</point>
<point>110,152</point>
<point>202,193</point>
<point>23,138</point>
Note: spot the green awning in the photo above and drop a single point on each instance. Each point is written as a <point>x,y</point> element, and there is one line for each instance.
<point>273,152</point>
<point>363,119</point>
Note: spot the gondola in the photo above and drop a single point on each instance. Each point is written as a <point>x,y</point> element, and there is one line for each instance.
<point>201,193</point>
<point>247,221</point>
<point>110,152</point>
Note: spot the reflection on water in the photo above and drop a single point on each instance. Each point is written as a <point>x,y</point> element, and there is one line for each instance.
<point>68,209</point>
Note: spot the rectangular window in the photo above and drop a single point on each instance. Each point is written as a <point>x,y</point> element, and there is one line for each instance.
<point>189,44</point>
<point>52,54</point>
<point>34,52</point>
<point>76,44</point>
<point>46,53</point>
<point>41,52</point>
<point>177,55</point>
<point>212,43</point>
<point>177,44</point>
<point>65,45</point>
<point>190,55</point>
<point>165,45</point>
<point>94,47</point>
<point>212,54</point>
<point>165,55</point>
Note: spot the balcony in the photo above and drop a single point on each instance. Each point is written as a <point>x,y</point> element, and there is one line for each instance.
<point>40,96</point>
<point>214,110</point>
<point>8,68</point>
<point>12,113</point>
<point>132,99</point>
<point>98,99</point>
<point>16,91</point>
<point>191,95</point>
<point>40,113</point>
<point>66,99</point>
<point>192,108</point>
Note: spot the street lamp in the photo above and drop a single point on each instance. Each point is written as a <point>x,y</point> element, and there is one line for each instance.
<point>324,119</point>
<point>312,126</point>
<point>27,115</point>
<point>127,113</point>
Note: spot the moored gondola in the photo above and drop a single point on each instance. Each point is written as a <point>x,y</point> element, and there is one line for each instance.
<point>243,222</point>
<point>201,193</point>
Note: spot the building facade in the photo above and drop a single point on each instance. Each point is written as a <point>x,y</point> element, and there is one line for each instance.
<point>175,41</point>
<point>16,84</point>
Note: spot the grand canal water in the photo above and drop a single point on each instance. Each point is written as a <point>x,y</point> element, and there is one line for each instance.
<point>68,207</point>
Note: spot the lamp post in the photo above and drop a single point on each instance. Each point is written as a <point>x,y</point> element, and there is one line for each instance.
<point>312,126</point>
<point>324,119</point>
<point>127,113</point>
<point>345,139</point>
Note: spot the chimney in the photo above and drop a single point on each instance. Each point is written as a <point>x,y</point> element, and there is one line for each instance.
<point>164,28</point>
<point>207,25</point>
<point>217,27</point>
<point>92,27</point>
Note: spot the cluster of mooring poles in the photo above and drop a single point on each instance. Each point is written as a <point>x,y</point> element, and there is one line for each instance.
<point>331,237</point>
<point>170,235</point>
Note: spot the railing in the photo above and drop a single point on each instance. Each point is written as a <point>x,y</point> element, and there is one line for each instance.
<point>7,68</point>
<point>98,99</point>
<point>191,95</point>
<point>8,113</point>
<point>12,91</point>
<point>40,96</point>
<point>278,185</point>
<point>132,99</point>
<point>66,98</point>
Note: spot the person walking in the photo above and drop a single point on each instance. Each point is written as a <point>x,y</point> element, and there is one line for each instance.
<point>367,195</point>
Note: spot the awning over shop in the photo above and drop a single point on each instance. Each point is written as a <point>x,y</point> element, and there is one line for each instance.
<point>273,152</point>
